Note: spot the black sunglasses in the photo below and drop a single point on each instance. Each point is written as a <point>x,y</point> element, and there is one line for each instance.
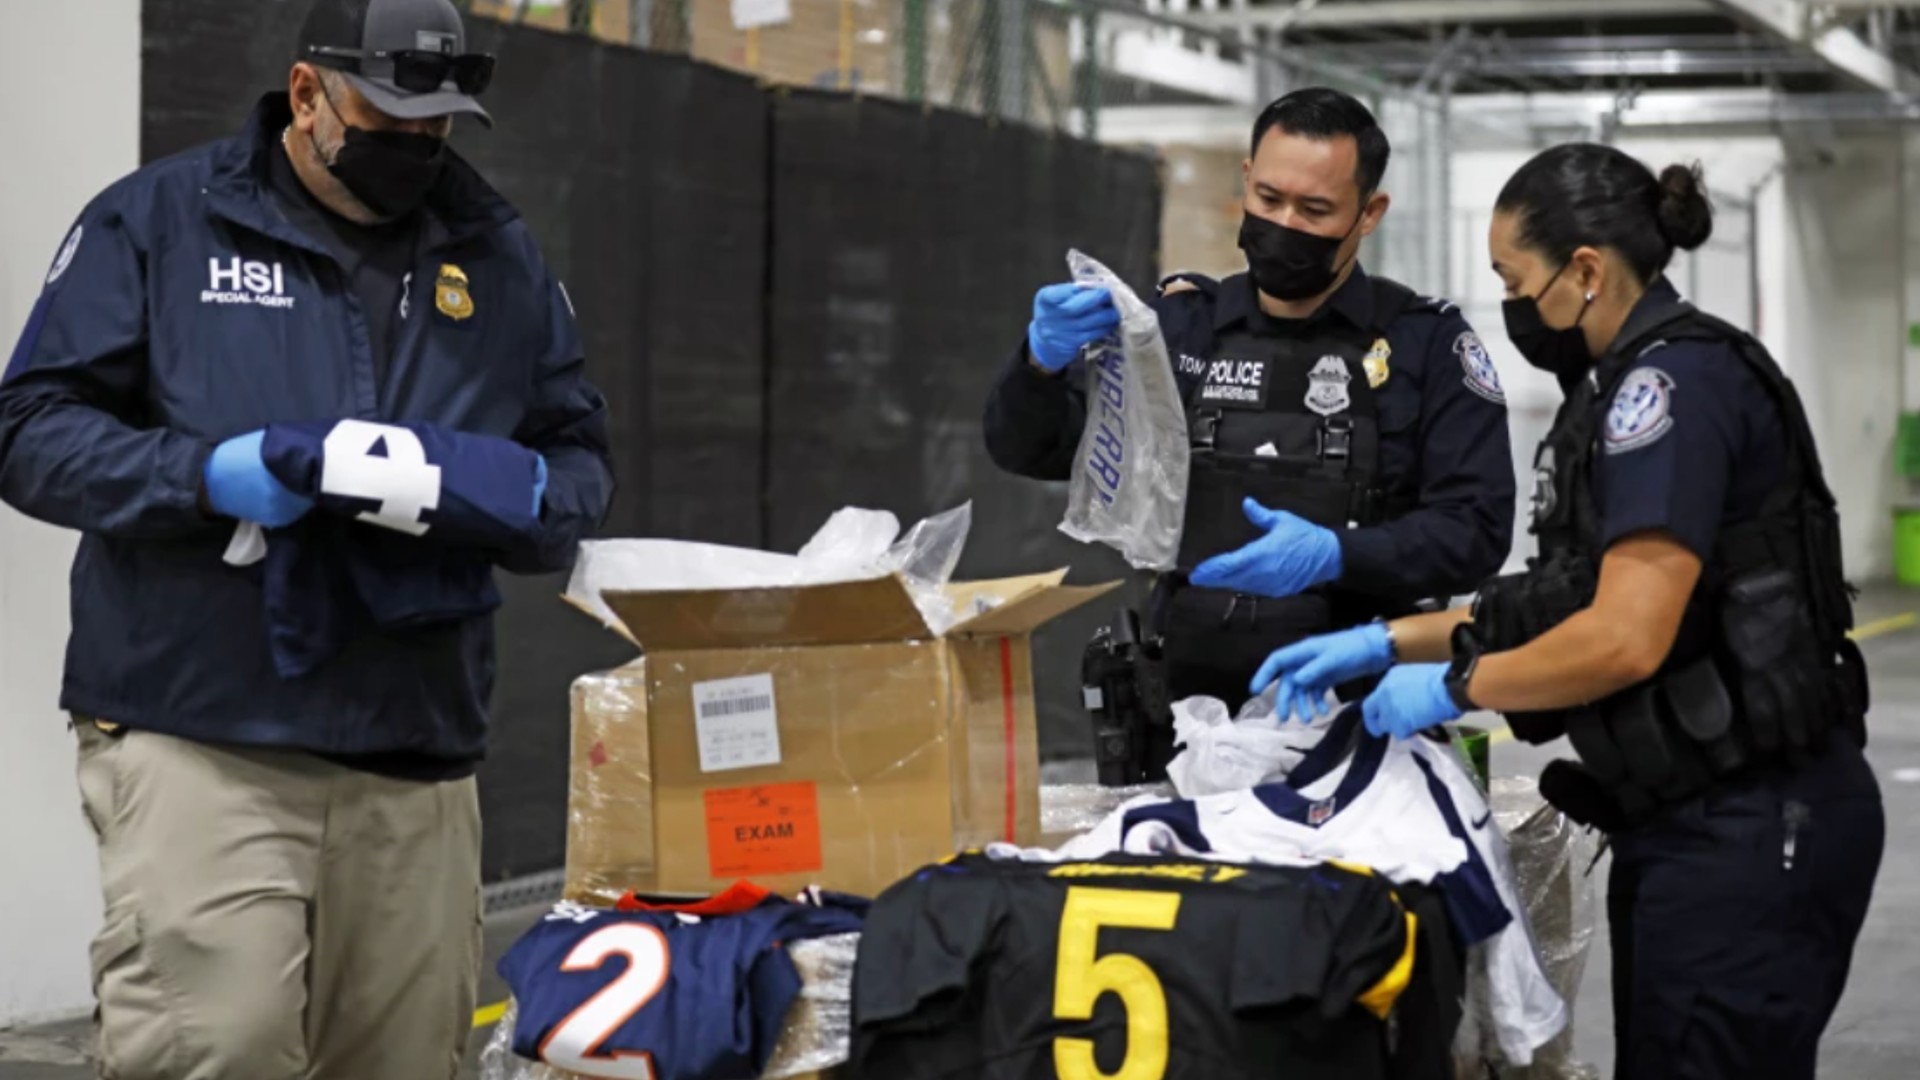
<point>418,71</point>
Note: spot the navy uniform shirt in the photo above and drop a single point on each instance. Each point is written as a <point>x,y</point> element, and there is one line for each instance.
<point>1443,424</point>
<point>1692,441</point>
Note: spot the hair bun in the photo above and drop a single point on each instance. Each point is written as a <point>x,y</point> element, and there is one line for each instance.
<point>1685,215</point>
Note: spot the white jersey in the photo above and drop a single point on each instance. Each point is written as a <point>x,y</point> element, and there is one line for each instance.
<point>1405,808</point>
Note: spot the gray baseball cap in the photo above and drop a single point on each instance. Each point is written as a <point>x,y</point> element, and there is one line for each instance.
<point>384,47</point>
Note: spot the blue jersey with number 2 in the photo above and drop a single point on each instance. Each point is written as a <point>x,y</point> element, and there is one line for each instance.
<point>661,995</point>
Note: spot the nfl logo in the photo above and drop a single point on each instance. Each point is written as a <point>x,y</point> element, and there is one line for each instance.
<point>1319,812</point>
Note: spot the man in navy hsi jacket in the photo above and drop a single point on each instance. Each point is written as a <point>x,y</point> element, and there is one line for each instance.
<point>291,861</point>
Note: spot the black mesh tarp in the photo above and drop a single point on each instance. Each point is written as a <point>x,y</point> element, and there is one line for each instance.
<point>905,249</point>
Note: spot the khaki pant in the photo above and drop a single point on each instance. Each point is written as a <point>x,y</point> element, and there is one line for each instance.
<point>273,916</point>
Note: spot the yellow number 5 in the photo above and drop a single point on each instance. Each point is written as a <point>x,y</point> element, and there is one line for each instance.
<point>1084,975</point>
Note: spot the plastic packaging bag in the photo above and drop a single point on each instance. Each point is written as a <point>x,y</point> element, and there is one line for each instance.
<point>1130,489</point>
<point>854,544</point>
<point>1550,856</point>
<point>1068,810</point>
<point>1219,755</point>
<point>925,559</point>
<point>1232,753</point>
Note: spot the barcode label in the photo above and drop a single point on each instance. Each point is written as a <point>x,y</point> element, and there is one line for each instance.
<point>737,723</point>
<point>736,706</point>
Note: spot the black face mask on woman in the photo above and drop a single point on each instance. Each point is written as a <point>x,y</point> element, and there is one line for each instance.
<point>1560,353</point>
<point>392,172</point>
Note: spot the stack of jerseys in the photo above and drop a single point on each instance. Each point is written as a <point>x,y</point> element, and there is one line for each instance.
<point>1129,967</point>
<point>666,992</point>
<point>1406,808</point>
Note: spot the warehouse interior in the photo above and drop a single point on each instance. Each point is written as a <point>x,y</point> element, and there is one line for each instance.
<point>802,237</point>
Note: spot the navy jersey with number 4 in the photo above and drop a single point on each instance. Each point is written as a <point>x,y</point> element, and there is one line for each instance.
<point>677,993</point>
<point>408,519</point>
<point>414,478</point>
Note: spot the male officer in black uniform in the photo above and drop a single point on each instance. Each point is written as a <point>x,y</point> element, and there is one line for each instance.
<point>1349,438</point>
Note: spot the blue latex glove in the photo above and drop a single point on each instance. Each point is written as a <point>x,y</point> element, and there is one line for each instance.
<point>239,485</point>
<point>539,483</point>
<point>1411,698</point>
<point>1308,669</point>
<point>1066,319</point>
<point>1293,557</point>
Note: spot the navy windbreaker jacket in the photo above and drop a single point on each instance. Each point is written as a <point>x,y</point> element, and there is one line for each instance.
<point>184,309</point>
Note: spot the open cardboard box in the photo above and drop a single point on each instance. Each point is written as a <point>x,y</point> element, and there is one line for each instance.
<point>802,735</point>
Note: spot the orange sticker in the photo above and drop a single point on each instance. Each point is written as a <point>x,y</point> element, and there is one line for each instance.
<point>762,831</point>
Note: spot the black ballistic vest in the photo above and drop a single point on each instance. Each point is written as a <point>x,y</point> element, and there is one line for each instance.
<point>1762,671</point>
<point>1290,421</point>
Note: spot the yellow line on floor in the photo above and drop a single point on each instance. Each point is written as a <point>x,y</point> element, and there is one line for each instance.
<point>490,1015</point>
<point>1880,627</point>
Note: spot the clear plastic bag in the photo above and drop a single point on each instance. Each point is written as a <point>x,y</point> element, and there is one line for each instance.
<point>1068,810</point>
<point>925,559</point>
<point>1222,751</point>
<point>1551,857</point>
<point>1219,753</point>
<point>1129,490</point>
<point>852,545</point>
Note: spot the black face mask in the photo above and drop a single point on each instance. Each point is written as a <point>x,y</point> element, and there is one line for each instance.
<point>1288,264</point>
<point>1560,353</point>
<point>392,172</point>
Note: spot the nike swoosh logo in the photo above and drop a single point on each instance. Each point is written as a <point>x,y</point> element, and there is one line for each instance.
<point>1482,823</point>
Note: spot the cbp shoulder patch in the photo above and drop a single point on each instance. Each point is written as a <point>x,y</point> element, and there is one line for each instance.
<point>67,251</point>
<point>1482,377</point>
<point>1642,410</point>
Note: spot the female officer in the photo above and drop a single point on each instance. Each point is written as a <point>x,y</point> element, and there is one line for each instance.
<point>1684,626</point>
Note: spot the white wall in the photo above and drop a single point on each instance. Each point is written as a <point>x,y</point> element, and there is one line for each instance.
<point>65,133</point>
<point>1831,278</point>
<point>1845,342</point>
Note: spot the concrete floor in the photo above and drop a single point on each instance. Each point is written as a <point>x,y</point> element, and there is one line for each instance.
<point>1873,1037</point>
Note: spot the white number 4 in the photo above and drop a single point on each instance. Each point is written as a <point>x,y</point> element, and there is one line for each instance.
<point>402,482</point>
<point>573,1042</point>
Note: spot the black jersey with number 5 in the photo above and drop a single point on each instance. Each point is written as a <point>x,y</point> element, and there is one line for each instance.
<point>1129,968</point>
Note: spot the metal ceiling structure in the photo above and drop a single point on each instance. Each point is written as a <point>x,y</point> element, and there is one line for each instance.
<point>1828,61</point>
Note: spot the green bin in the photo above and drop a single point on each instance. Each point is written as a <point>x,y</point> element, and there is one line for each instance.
<point>1907,443</point>
<point>1906,545</point>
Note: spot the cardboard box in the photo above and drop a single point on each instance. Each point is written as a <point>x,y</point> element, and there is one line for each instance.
<point>807,735</point>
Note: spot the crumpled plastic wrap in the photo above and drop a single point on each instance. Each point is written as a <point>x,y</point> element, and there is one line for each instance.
<point>1129,487</point>
<point>1224,751</point>
<point>1067,810</point>
<point>818,1032</point>
<point>1551,856</point>
<point>820,1028</point>
<point>611,782</point>
<point>854,544</point>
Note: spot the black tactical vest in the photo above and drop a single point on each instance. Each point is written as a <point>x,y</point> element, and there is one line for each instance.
<point>1762,670</point>
<point>1290,421</point>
